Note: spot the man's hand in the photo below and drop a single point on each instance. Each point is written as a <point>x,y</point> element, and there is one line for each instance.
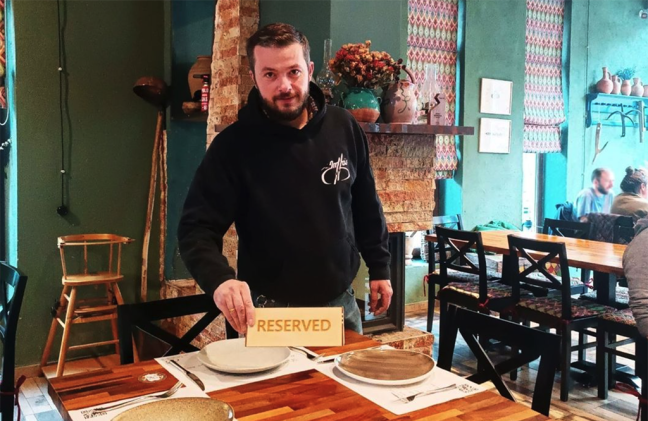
<point>385,290</point>
<point>234,299</point>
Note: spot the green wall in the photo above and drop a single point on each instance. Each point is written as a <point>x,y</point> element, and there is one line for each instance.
<point>492,183</point>
<point>108,142</point>
<point>608,34</point>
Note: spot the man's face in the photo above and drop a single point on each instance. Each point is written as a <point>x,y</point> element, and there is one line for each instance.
<point>282,76</point>
<point>604,183</point>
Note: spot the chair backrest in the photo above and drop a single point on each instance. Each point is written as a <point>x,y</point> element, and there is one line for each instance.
<point>142,315</point>
<point>536,255</point>
<point>623,231</point>
<point>603,225</point>
<point>88,254</point>
<point>532,343</point>
<point>569,229</point>
<point>445,221</point>
<point>457,244</point>
<point>12,291</point>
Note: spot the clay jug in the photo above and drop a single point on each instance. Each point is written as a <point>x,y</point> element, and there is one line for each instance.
<point>626,88</point>
<point>399,105</point>
<point>645,94</point>
<point>637,88</point>
<point>604,85</point>
<point>202,66</point>
<point>616,85</point>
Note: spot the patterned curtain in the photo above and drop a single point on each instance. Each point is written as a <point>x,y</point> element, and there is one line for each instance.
<point>3,57</point>
<point>544,108</point>
<point>432,38</point>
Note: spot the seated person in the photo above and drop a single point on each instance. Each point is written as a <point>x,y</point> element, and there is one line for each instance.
<point>634,199</point>
<point>635,267</point>
<point>595,199</point>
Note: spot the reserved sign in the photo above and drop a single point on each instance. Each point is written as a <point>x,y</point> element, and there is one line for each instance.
<point>297,326</point>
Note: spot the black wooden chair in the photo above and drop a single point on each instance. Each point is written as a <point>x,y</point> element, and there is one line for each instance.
<point>465,283</point>
<point>132,317</point>
<point>531,343</point>
<point>570,229</point>
<point>12,290</point>
<point>431,279</point>
<point>610,325</point>
<point>556,310</point>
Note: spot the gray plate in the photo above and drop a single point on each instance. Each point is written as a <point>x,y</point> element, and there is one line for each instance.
<point>180,409</point>
<point>386,366</point>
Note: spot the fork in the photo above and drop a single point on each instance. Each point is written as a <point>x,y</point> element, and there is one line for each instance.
<point>163,395</point>
<point>410,398</point>
<point>310,355</point>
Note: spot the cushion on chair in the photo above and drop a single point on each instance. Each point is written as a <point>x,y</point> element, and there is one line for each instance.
<point>621,316</point>
<point>495,289</point>
<point>456,276</point>
<point>553,307</point>
<point>575,281</point>
<point>622,296</point>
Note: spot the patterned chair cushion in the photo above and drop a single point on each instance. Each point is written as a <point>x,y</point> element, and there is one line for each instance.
<point>495,289</point>
<point>575,281</point>
<point>456,276</point>
<point>622,316</point>
<point>622,296</point>
<point>553,307</point>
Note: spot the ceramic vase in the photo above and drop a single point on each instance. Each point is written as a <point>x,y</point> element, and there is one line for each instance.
<point>626,87</point>
<point>399,104</point>
<point>202,66</point>
<point>637,88</point>
<point>616,85</point>
<point>362,104</point>
<point>604,85</point>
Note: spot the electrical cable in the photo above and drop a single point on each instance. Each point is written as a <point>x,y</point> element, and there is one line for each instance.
<point>62,209</point>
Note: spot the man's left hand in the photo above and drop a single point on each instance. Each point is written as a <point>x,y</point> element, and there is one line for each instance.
<point>385,290</point>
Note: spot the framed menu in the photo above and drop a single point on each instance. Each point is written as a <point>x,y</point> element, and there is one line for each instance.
<point>496,96</point>
<point>494,135</point>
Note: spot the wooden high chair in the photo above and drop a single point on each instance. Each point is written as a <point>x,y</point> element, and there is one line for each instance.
<point>87,259</point>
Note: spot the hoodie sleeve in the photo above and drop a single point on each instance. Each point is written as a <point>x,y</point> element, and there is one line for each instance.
<point>368,219</point>
<point>208,213</point>
<point>635,268</point>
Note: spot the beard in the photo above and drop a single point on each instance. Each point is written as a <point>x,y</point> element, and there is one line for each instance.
<point>277,114</point>
<point>602,189</point>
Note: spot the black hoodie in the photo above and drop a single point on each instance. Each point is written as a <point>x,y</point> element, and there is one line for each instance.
<point>303,201</point>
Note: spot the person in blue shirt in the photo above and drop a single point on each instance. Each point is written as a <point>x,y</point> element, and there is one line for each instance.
<point>597,198</point>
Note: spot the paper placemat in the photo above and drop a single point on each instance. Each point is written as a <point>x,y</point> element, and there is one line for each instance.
<point>386,396</point>
<point>87,413</point>
<point>215,380</point>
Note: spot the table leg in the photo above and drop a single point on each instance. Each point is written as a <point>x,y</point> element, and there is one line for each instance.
<point>605,285</point>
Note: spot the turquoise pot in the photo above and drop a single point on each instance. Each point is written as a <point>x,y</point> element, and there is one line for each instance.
<point>363,104</point>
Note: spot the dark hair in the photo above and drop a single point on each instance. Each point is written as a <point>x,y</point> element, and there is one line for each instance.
<point>633,180</point>
<point>276,35</point>
<point>596,174</point>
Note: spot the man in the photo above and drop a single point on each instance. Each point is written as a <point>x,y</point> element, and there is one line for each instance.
<point>294,177</point>
<point>635,268</point>
<point>595,199</point>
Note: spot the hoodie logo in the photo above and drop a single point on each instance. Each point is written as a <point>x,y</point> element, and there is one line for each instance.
<point>336,171</point>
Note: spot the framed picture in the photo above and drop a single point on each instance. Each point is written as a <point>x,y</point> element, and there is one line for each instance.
<point>494,135</point>
<point>496,96</point>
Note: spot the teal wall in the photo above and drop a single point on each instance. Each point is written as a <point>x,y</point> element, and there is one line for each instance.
<point>384,22</point>
<point>192,32</point>
<point>608,34</point>
<point>492,183</point>
<point>109,139</point>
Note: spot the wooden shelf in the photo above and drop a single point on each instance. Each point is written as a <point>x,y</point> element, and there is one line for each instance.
<point>600,109</point>
<point>404,129</point>
<point>417,129</point>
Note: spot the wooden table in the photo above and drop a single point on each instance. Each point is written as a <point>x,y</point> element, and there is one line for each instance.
<point>305,395</point>
<point>604,259</point>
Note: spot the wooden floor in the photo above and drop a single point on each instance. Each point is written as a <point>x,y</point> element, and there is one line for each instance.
<point>583,402</point>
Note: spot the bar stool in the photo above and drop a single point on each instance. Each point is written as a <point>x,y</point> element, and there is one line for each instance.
<point>87,260</point>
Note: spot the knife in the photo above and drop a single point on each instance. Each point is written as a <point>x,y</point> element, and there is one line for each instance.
<point>191,375</point>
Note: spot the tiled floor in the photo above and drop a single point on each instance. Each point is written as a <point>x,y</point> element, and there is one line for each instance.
<point>583,403</point>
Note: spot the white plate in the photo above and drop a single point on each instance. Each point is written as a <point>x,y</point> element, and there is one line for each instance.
<point>376,366</point>
<point>232,356</point>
